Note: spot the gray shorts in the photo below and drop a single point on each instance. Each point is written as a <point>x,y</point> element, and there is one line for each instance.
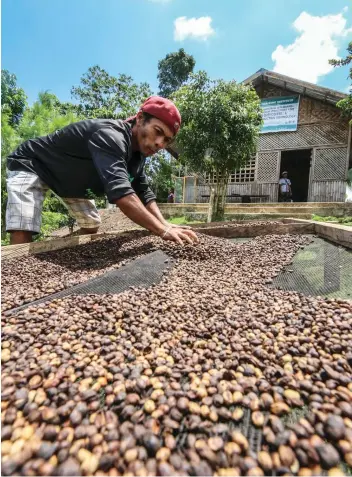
<point>25,196</point>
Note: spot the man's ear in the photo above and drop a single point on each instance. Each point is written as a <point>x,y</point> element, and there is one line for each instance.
<point>139,117</point>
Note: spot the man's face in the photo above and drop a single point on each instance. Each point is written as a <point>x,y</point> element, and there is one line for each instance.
<point>152,135</point>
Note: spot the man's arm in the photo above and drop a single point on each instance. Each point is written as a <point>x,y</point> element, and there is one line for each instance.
<point>133,208</point>
<point>147,197</point>
<point>108,149</point>
<point>154,210</point>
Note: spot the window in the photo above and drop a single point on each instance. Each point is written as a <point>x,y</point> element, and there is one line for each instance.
<point>243,174</point>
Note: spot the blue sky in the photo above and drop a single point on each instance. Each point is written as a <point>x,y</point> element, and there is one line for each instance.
<point>50,44</point>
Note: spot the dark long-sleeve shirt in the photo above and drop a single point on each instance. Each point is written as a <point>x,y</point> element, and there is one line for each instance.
<point>92,155</point>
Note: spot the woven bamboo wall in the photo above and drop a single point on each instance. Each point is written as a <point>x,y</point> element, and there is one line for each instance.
<point>310,110</point>
<point>307,136</point>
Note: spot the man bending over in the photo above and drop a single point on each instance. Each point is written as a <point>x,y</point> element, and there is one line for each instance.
<point>97,155</point>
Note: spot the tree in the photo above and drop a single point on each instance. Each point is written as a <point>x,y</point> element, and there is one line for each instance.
<point>174,70</point>
<point>9,141</point>
<point>13,98</point>
<point>221,123</point>
<point>44,117</point>
<point>159,170</point>
<point>104,96</point>
<point>345,104</point>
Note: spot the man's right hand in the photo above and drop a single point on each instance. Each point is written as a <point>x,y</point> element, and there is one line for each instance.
<point>131,206</point>
<point>180,235</point>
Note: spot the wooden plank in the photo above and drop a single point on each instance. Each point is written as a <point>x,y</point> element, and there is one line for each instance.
<point>340,234</point>
<point>15,251</point>
<point>226,231</point>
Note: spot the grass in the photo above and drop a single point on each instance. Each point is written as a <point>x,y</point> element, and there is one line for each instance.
<point>183,221</point>
<point>339,220</point>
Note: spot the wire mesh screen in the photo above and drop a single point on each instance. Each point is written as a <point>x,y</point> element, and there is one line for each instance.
<point>142,272</point>
<point>320,269</point>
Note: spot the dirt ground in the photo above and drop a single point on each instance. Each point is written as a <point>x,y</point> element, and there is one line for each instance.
<point>112,220</point>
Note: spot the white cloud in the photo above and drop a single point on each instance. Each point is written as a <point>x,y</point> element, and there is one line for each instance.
<point>318,41</point>
<point>197,28</point>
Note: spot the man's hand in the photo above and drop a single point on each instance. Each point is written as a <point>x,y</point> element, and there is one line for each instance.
<point>179,235</point>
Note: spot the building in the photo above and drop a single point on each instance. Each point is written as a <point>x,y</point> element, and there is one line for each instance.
<point>304,134</point>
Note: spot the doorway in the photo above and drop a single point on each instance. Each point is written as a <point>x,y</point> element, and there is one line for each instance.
<point>297,164</point>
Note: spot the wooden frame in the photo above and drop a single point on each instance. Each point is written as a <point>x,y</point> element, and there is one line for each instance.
<point>15,251</point>
<point>337,233</point>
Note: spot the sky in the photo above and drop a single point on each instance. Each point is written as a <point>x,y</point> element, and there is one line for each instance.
<point>50,44</point>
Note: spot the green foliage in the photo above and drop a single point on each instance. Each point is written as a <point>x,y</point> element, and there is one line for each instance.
<point>101,95</point>
<point>159,170</point>
<point>345,104</point>
<point>51,221</point>
<point>13,98</point>
<point>100,201</point>
<point>223,118</point>
<point>341,220</point>
<point>344,61</point>
<point>9,141</point>
<point>10,138</point>
<point>44,117</point>
<point>221,124</point>
<point>349,177</point>
<point>67,108</point>
<point>183,221</point>
<point>174,71</point>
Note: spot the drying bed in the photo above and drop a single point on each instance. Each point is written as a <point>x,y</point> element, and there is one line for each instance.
<point>144,271</point>
<point>208,371</point>
<point>321,268</point>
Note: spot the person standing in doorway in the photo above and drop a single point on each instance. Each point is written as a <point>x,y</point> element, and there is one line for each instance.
<point>285,194</point>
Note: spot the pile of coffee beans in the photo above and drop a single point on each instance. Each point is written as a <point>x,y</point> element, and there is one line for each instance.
<point>29,278</point>
<point>161,381</point>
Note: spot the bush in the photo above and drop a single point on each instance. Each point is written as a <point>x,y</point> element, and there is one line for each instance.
<point>341,220</point>
<point>51,221</point>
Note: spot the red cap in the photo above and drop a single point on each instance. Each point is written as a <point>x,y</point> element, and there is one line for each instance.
<point>163,109</point>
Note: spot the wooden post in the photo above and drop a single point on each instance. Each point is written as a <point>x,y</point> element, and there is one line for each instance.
<point>184,189</point>
<point>211,204</point>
